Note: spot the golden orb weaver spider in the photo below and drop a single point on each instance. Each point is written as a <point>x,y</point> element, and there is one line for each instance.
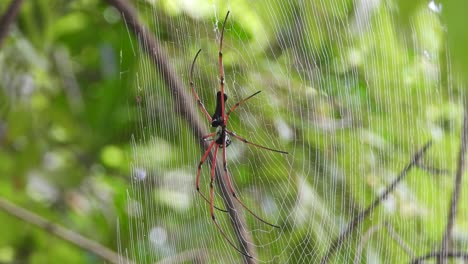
<point>221,139</point>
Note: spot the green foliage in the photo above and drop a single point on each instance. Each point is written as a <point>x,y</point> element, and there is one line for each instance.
<point>83,114</point>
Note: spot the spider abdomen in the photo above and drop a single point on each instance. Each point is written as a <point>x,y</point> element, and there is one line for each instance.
<point>217,118</point>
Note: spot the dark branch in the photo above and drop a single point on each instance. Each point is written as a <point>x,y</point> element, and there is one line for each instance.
<point>457,188</point>
<point>8,18</point>
<point>186,108</point>
<point>336,244</point>
<point>446,255</point>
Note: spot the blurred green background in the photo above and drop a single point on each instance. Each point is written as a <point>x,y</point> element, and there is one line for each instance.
<point>350,88</point>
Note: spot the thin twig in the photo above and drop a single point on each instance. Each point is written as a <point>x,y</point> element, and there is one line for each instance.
<point>397,238</point>
<point>364,239</point>
<point>186,108</point>
<point>445,255</point>
<point>457,189</point>
<point>336,244</point>
<point>192,256</point>
<point>63,233</point>
<point>432,170</point>
<point>8,18</point>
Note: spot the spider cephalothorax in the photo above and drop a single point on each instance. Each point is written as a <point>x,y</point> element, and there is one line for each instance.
<point>220,135</point>
<point>221,139</point>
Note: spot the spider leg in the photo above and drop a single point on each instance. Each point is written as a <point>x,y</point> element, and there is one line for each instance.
<point>205,138</point>
<point>239,103</point>
<point>198,175</point>
<point>200,103</point>
<point>231,189</point>
<point>213,166</point>
<point>221,70</point>
<point>253,144</point>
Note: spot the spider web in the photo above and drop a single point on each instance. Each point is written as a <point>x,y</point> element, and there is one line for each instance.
<point>350,91</point>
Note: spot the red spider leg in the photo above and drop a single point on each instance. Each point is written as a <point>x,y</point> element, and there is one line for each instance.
<point>231,189</point>
<point>213,166</point>
<point>198,175</point>
<point>207,136</point>
<point>200,103</point>
<point>221,71</point>
<point>253,144</point>
<point>237,104</point>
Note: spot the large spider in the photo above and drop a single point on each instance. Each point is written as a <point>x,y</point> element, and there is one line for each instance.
<point>221,139</point>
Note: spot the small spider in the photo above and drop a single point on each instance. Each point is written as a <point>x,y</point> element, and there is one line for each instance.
<point>221,139</point>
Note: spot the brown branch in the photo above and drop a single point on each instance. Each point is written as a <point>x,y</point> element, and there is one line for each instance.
<point>186,108</point>
<point>445,255</point>
<point>336,244</point>
<point>8,18</point>
<point>63,233</point>
<point>457,188</point>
